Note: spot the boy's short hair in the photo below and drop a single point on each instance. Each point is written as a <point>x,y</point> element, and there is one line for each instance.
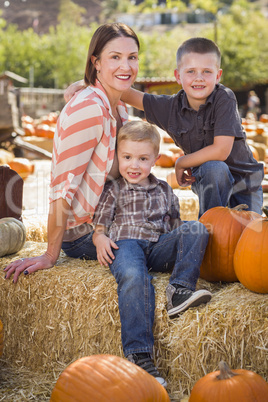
<point>198,45</point>
<point>139,130</point>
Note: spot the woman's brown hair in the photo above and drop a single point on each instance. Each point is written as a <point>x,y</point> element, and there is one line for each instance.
<point>104,34</point>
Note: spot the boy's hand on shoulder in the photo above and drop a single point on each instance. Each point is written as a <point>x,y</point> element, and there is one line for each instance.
<point>104,247</point>
<point>72,89</point>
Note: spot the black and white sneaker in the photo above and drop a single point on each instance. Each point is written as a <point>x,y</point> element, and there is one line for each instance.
<point>180,299</point>
<point>144,360</point>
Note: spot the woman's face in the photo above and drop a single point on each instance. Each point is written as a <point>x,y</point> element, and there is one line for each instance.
<point>117,65</point>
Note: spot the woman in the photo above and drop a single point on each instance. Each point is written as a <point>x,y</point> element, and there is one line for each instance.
<point>84,147</point>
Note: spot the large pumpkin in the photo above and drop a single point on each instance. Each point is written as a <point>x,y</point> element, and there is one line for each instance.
<point>1,338</point>
<point>107,378</point>
<point>12,236</point>
<point>228,385</point>
<point>225,226</point>
<point>251,256</point>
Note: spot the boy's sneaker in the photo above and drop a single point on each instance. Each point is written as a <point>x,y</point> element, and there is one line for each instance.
<point>180,299</point>
<point>144,360</point>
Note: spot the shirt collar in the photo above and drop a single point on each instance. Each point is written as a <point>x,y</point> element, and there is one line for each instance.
<point>131,186</point>
<point>100,91</point>
<point>210,98</point>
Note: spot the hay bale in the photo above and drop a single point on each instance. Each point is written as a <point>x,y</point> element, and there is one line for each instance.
<point>189,204</point>
<point>56,316</point>
<point>36,227</point>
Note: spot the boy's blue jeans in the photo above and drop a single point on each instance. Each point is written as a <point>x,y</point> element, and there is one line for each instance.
<point>214,186</point>
<point>184,248</point>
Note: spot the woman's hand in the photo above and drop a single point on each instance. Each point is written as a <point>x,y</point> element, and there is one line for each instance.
<point>72,89</point>
<point>27,266</point>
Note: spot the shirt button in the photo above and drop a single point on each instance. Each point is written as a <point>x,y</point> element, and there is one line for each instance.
<point>199,117</point>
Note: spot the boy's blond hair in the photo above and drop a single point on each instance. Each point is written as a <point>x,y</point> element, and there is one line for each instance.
<point>198,45</point>
<point>139,130</point>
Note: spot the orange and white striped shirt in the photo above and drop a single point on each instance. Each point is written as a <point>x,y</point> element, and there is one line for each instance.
<point>83,152</point>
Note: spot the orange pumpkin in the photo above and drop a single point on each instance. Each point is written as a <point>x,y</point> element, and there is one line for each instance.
<point>225,226</point>
<point>260,128</point>
<point>1,338</point>
<point>25,119</point>
<point>227,385</point>
<point>166,160</point>
<point>171,180</point>
<point>264,118</point>
<point>44,130</point>
<point>106,378</point>
<point>255,153</point>
<point>22,166</point>
<point>29,129</point>
<point>251,256</point>
<point>167,140</point>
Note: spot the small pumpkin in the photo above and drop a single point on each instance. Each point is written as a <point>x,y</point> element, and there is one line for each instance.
<point>225,226</point>
<point>12,236</point>
<point>1,338</point>
<point>45,131</point>
<point>168,140</point>
<point>254,151</point>
<point>29,129</point>
<point>251,256</point>
<point>172,181</point>
<point>106,378</point>
<point>264,118</point>
<point>166,160</point>
<point>226,385</point>
<point>22,166</point>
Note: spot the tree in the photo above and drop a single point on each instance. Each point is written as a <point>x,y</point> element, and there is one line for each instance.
<point>158,52</point>
<point>243,40</point>
<point>70,12</point>
<point>68,46</point>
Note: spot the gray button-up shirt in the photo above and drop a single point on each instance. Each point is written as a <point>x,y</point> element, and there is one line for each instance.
<point>193,130</point>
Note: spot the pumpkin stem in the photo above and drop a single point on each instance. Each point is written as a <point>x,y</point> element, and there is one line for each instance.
<point>265,210</point>
<point>240,207</point>
<point>225,371</point>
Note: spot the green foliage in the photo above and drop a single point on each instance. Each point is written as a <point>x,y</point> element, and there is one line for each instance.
<point>112,7</point>
<point>158,52</point>
<point>67,50</point>
<point>58,57</point>
<point>70,12</point>
<point>243,40</point>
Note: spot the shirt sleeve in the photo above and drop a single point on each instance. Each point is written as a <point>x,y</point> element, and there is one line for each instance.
<point>157,109</point>
<point>105,210</point>
<point>175,207</point>
<point>227,120</point>
<point>77,134</point>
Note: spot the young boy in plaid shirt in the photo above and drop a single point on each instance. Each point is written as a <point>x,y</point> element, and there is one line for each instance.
<point>137,230</point>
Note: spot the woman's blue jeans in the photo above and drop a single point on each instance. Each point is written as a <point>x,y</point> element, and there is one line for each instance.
<point>81,248</point>
<point>184,248</point>
<point>214,187</point>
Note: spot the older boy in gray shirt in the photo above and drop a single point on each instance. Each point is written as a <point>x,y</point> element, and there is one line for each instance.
<point>204,121</point>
